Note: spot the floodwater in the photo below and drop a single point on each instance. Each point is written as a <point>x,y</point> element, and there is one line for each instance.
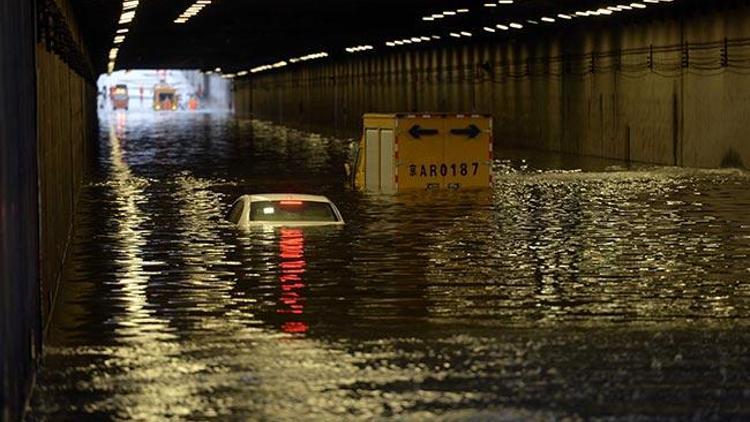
<point>575,288</point>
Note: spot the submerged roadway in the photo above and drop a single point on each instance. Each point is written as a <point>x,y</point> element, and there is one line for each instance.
<point>573,288</point>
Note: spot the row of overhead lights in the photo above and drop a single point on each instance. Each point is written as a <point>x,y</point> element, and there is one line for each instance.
<point>499,2</point>
<point>444,14</point>
<point>278,64</point>
<point>191,11</point>
<point>313,56</point>
<point>359,48</point>
<point>517,25</point>
<point>605,11</point>
<point>412,40</point>
<point>262,68</point>
<point>126,17</point>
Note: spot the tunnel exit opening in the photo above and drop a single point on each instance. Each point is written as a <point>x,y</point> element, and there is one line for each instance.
<point>164,90</point>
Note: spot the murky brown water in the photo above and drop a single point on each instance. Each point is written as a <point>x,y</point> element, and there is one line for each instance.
<point>598,293</point>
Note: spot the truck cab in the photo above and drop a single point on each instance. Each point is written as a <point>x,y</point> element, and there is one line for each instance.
<point>118,94</point>
<point>165,98</point>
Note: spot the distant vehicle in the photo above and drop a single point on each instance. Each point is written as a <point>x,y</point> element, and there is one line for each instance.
<point>165,98</point>
<point>119,96</point>
<point>284,209</point>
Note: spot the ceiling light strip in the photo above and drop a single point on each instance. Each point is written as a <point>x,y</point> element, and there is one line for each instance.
<point>603,11</point>
<point>508,26</point>
<point>192,10</point>
<point>283,63</point>
<point>129,8</point>
<point>359,48</point>
<point>444,14</point>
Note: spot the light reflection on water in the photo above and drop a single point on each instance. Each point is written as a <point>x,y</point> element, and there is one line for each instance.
<point>608,291</point>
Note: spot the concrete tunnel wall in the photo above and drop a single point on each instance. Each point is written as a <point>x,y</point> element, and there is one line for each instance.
<point>67,119</point>
<point>671,88</point>
<point>47,127</point>
<point>20,327</point>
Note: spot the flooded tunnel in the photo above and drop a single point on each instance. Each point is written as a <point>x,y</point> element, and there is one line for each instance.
<point>454,210</point>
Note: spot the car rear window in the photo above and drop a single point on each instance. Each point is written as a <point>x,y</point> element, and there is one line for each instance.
<point>291,210</point>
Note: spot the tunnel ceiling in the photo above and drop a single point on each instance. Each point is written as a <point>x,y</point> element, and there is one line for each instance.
<point>241,34</point>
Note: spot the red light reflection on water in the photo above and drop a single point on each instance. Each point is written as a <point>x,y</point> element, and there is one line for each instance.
<point>291,251</point>
<point>294,327</point>
<point>120,124</point>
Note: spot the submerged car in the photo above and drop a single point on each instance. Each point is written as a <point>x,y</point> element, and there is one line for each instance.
<point>284,209</point>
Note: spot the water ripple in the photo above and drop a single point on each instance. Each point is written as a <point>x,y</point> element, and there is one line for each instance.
<point>573,288</point>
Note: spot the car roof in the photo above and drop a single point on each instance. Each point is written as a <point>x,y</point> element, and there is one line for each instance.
<point>287,197</point>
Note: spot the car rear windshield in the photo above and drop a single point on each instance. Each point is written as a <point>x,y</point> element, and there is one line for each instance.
<point>291,210</point>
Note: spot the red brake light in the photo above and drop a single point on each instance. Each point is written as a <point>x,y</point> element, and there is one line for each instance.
<point>290,202</point>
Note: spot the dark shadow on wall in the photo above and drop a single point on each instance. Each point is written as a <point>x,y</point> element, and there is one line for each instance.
<point>47,127</point>
<point>20,327</point>
<point>732,159</point>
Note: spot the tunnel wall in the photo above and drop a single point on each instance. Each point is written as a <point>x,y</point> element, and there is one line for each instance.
<point>47,122</point>
<point>670,87</point>
<point>19,305</point>
<point>66,102</point>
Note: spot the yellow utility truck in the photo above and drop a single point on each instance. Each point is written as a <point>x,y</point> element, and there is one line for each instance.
<point>165,97</point>
<point>407,151</point>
